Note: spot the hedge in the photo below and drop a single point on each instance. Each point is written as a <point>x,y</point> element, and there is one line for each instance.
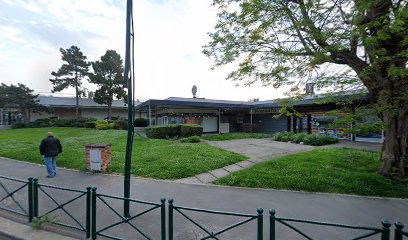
<point>172,131</point>
<point>308,139</point>
<point>141,122</point>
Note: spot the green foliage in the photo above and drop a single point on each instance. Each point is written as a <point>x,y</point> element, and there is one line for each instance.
<point>192,139</point>
<point>187,130</point>
<point>121,124</point>
<point>90,124</point>
<point>19,96</point>
<point>108,76</point>
<point>174,131</point>
<point>18,125</point>
<point>141,122</point>
<point>230,136</point>
<point>104,125</point>
<point>331,170</point>
<point>156,158</point>
<point>72,71</point>
<point>39,223</point>
<point>308,139</point>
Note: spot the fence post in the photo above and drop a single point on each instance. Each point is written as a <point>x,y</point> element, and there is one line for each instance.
<point>30,199</point>
<point>93,206</point>
<point>163,218</point>
<point>272,224</point>
<point>171,219</point>
<point>260,224</point>
<point>385,235</point>
<point>88,212</point>
<point>398,230</point>
<point>35,197</point>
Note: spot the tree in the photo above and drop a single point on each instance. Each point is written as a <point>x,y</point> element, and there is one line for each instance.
<point>20,97</point>
<point>108,75</point>
<point>334,43</point>
<point>71,73</point>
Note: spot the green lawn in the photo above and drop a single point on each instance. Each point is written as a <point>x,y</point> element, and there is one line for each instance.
<point>230,136</point>
<point>162,159</point>
<point>331,170</point>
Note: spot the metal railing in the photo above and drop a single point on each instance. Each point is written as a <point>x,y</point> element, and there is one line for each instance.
<point>399,232</point>
<point>123,219</point>
<point>213,235</point>
<point>84,196</point>
<point>15,191</point>
<point>384,232</point>
<point>10,195</point>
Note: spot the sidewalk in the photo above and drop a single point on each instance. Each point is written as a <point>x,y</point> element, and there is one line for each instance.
<point>353,210</point>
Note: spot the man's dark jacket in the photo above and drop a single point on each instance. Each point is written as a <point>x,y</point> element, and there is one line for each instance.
<point>50,147</point>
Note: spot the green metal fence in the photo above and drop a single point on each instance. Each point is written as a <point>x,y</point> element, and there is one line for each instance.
<point>214,235</point>
<point>399,232</point>
<point>383,232</point>
<point>10,195</point>
<point>26,197</point>
<point>125,220</point>
<point>81,196</point>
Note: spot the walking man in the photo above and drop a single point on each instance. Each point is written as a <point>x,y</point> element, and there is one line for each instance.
<point>50,147</point>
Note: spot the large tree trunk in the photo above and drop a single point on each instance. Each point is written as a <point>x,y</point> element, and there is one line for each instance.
<point>394,154</point>
<point>109,111</point>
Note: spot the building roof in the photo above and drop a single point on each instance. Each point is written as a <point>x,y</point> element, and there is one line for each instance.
<point>50,101</point>
<point>212,103</point>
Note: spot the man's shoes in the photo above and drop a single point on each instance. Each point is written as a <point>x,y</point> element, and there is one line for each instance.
<point>49,176</point>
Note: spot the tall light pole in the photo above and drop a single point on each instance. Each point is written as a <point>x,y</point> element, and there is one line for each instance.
<point>129,79</point>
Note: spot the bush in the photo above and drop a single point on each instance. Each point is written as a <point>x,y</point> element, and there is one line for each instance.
<point>314,140</point>
<point>299,137</point>
<point>120,124</point>
<point>284,136</point>
<point>101,125</point>
<point>329,140</point>
<point>141,122</point>
<point>192,139</point>
<point>187,130</point>
<point>90,124</point>
<point>163,132</point>
<point>105,126</point>
<point>18,125</point>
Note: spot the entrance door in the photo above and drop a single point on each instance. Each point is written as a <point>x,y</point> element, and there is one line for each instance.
<point>210,124</point>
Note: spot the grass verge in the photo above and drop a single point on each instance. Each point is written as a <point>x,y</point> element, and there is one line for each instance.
<point>330,170</point>
<point>231,136</point>
<point>154,158</point>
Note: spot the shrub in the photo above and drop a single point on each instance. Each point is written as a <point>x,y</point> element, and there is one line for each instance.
<point>329,140</point>
<point>163,132</point>
<point>105,126</point>
<point>101,125</point>
<point>187,130</point>
<point>18,125</point>
<point>299,137</point>
<point>141,122</point>
<point>192,139</point>
<point>314,140</point>
<point>90,124</point>
<point>120,124</point>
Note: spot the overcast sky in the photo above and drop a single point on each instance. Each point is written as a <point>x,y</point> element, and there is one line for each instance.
<point>169,35</point>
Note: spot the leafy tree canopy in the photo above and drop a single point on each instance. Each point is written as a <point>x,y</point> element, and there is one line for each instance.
<point>19,96</point>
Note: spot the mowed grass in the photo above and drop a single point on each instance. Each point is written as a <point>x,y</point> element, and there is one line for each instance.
<point>153,158</point>
<point>330,170</point>
<point>231,136</point>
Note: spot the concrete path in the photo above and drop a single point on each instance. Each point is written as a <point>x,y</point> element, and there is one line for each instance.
<point>258,150</point>
<point>323,207</point>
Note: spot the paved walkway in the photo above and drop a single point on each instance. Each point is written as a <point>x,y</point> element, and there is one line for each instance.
<point>260,150</point>
<point>324,207</point>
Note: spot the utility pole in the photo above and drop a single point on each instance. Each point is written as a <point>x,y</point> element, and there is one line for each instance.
<point>128,78</point>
